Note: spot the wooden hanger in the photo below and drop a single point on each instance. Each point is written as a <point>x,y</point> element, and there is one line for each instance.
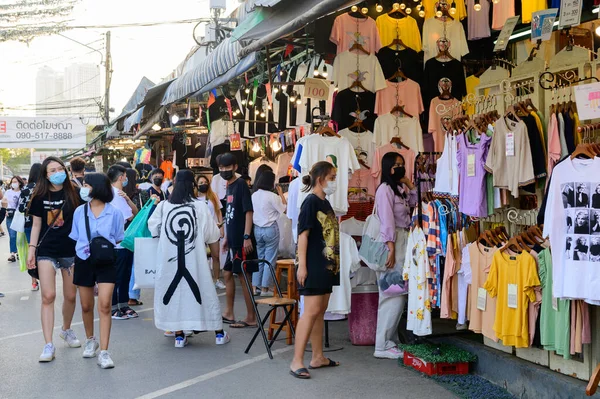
<point>513,245</point>
<point>325,130</point>
<point>357,14</point>
<point>445,54</point>
<point>397,42</point>
<point>511,111</point>
<point>400,108</point>
<point>397,140</point>
<point>445,95</point>
<point>357,124</point>
<point>529,103</point>
<point>397,13</point>
<point>501,232</point>
<point>583,150</point>
<point>359,47</point>
<point>398,74</point>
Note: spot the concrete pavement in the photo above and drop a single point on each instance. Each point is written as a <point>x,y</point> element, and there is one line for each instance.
<point>148,365</point>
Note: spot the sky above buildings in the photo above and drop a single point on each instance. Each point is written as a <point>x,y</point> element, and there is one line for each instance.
<point>153,52</point>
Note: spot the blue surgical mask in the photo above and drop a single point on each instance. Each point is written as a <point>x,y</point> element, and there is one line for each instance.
<point>58,178</point>
<point>84,193</point>
<point>125,183</point>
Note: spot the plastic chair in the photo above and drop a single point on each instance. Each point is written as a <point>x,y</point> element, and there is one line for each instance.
<point>274,303</point>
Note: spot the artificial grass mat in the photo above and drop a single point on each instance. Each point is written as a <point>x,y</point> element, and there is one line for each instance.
<point>439,353</point>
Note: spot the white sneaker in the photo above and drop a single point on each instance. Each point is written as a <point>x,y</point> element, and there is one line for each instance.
<point>104,360</point>
<point>220,285</point>
<point>222,339</point>
<point>70,338</point>
<point>48,353</point>
<point>181,342</point>
<point>90,348</point>
<point>392,353</point>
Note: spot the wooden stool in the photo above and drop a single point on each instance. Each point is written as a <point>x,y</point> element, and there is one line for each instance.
<point>291,292</point>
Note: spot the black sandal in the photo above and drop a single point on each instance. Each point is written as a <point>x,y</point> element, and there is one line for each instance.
<point>130,313</point>
<point>330,364</point>
<point>12,259</point>
<point>302,374</point>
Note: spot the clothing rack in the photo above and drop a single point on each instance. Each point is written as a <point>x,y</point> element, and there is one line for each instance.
<point>552,81</point>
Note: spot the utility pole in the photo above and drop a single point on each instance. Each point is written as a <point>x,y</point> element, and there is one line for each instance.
<point>108,78</point>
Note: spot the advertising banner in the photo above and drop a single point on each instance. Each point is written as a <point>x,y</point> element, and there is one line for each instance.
<point>42,132</point>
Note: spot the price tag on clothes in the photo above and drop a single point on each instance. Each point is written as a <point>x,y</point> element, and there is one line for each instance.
<point>512,296</point>
<point>570,13</point>
<point>507,30</point>
<point>481,298</point>
<point>316,88</point>
<point>555,304</point>
<point>471,165</point>
<point>235,142</point>
<point>510,144</point>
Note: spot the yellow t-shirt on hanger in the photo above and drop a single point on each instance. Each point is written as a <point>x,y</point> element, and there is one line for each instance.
<point>405,29</point>
<point>461,9</point>
<point>528,7</point>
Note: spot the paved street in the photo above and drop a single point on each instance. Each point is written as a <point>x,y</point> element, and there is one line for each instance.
<point>148,365</point>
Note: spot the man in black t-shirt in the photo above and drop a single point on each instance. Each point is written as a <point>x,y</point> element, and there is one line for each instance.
<point>157,176</point>
<point>239,240</point>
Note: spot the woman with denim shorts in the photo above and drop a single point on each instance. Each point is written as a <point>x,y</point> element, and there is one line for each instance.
<point>52,206</point>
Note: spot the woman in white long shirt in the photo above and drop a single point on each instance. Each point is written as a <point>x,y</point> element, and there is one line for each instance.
<point>184,296</point>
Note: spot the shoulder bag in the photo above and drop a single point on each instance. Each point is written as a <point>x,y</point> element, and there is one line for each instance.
<point>373,251</point>
<point>102,251</point>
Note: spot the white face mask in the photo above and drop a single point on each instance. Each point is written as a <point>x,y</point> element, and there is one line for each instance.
<point>330,188</point>
<point>15,186</point>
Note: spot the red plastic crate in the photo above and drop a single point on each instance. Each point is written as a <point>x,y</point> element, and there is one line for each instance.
<point>435,368</point>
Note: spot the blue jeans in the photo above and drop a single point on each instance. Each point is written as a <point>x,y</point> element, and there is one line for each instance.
<point>133,294</point>
<point>267,244</point>
<point>12,235</point>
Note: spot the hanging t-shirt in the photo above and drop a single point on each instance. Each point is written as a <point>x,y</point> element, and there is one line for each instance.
<point>340,299</point>
<point>407,154</point>
<point>167,167</point>
<point>241,159</point>
<point>434,29</point>
<point>416,272</point>
<point>362,143</point>
<point>340,153</point>
<point>363,178</point>
<point>429,5</point>
<point>293,207</point>
<point>529,6</point>
<point>220,131</point>
<point>471,83</point>
<point>349,101</point>
<point>407,60</point>
<point>478,21</point>
<point>574,237</point>
<point>538,152</point>
<point>57,243</point>
<point>283,165</point>
<point>447,173</point>
<point>239,201</point>
<point>323,256</point>
<point>502,11</point>
<point>405,29</point>
<point>346,30</point>
<point>254,165</point>
<point>349,67</point>
<point>442,110</point>
<point>471,166</point>
<point>408,129</point>
<point>406,93</point>
<point>435,70</point>
<point>482,315</point>
<point>509,159</point>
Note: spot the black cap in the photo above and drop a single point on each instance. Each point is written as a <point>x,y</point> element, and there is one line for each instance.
<point>226,159</point>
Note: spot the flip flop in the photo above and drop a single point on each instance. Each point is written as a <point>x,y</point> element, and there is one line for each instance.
<point>242,324</point>
<point>228,321</point>
<point>302,374</point>
<point>330,364</point>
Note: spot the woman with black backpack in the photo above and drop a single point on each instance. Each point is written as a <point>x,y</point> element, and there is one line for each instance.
<point>97,229</point>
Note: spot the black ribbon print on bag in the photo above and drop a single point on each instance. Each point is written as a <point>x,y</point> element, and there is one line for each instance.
<point>181,232</point>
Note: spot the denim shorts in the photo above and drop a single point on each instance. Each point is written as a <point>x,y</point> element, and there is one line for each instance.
<point>59,263</point>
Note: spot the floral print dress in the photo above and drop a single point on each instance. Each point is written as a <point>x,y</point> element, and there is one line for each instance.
<point>416,272</point>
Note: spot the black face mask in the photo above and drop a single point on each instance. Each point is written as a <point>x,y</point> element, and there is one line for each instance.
<point>399,172</point>
<point>226,174</point>
<point>203,188</point>
<point>157,181</point>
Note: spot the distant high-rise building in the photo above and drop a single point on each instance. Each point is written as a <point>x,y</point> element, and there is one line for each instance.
<point>49,92</point>
<point>82,87</point>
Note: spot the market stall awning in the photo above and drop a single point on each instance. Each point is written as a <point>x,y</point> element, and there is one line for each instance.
<point>133,119</point>
<point>282,19</point>
<point>224,58</point>
<point>136,98</point>
<point>147,126</point>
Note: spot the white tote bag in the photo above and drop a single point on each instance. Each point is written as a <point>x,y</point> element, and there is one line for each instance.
<point>144,262</point>
<point>18,222</point>
<point>373,251</point>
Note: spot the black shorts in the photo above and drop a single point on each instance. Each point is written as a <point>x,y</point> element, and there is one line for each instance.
<point>235,256</point>
<point>87,275</point>
<point>315,291</point>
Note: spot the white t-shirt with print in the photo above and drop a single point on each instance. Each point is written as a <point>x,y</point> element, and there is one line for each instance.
<point>369,72</point>
<point>572,221</point>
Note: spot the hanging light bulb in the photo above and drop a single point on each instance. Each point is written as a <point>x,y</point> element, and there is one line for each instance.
<point>316,72</point>
<point>256,112</point>
<point>408,10</point>
<point>354,9</point>
<point>156,127</point>
<point>495,1</point>
<point>174,119</point>
<point>292,98</point>
<point>276,145</point>
<point>250,103</point>
<point>262,114</point>
<point>598,31</point>
<point>256,146</point>
<point>453,8</point>
<point>477,5</point>
<point>396,6</point>
<point>324,73</point>
<point>379,7</point>
<point>275,90</point>
<point>364,10</point>
<point>419,7</point>
<point>269,107</point>
<point>247,91</point>
<point>438,12</point>
<point>298,102</point>
<point>422,13</point>
<point>243,102</point>
<point>402,6</point>
<point>283,87</point>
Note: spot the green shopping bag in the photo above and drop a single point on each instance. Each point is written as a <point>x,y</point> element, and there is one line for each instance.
<point>22,250</point>
<point>138,226</point>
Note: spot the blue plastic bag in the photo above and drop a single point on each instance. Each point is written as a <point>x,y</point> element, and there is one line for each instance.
<point>138,226</point>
